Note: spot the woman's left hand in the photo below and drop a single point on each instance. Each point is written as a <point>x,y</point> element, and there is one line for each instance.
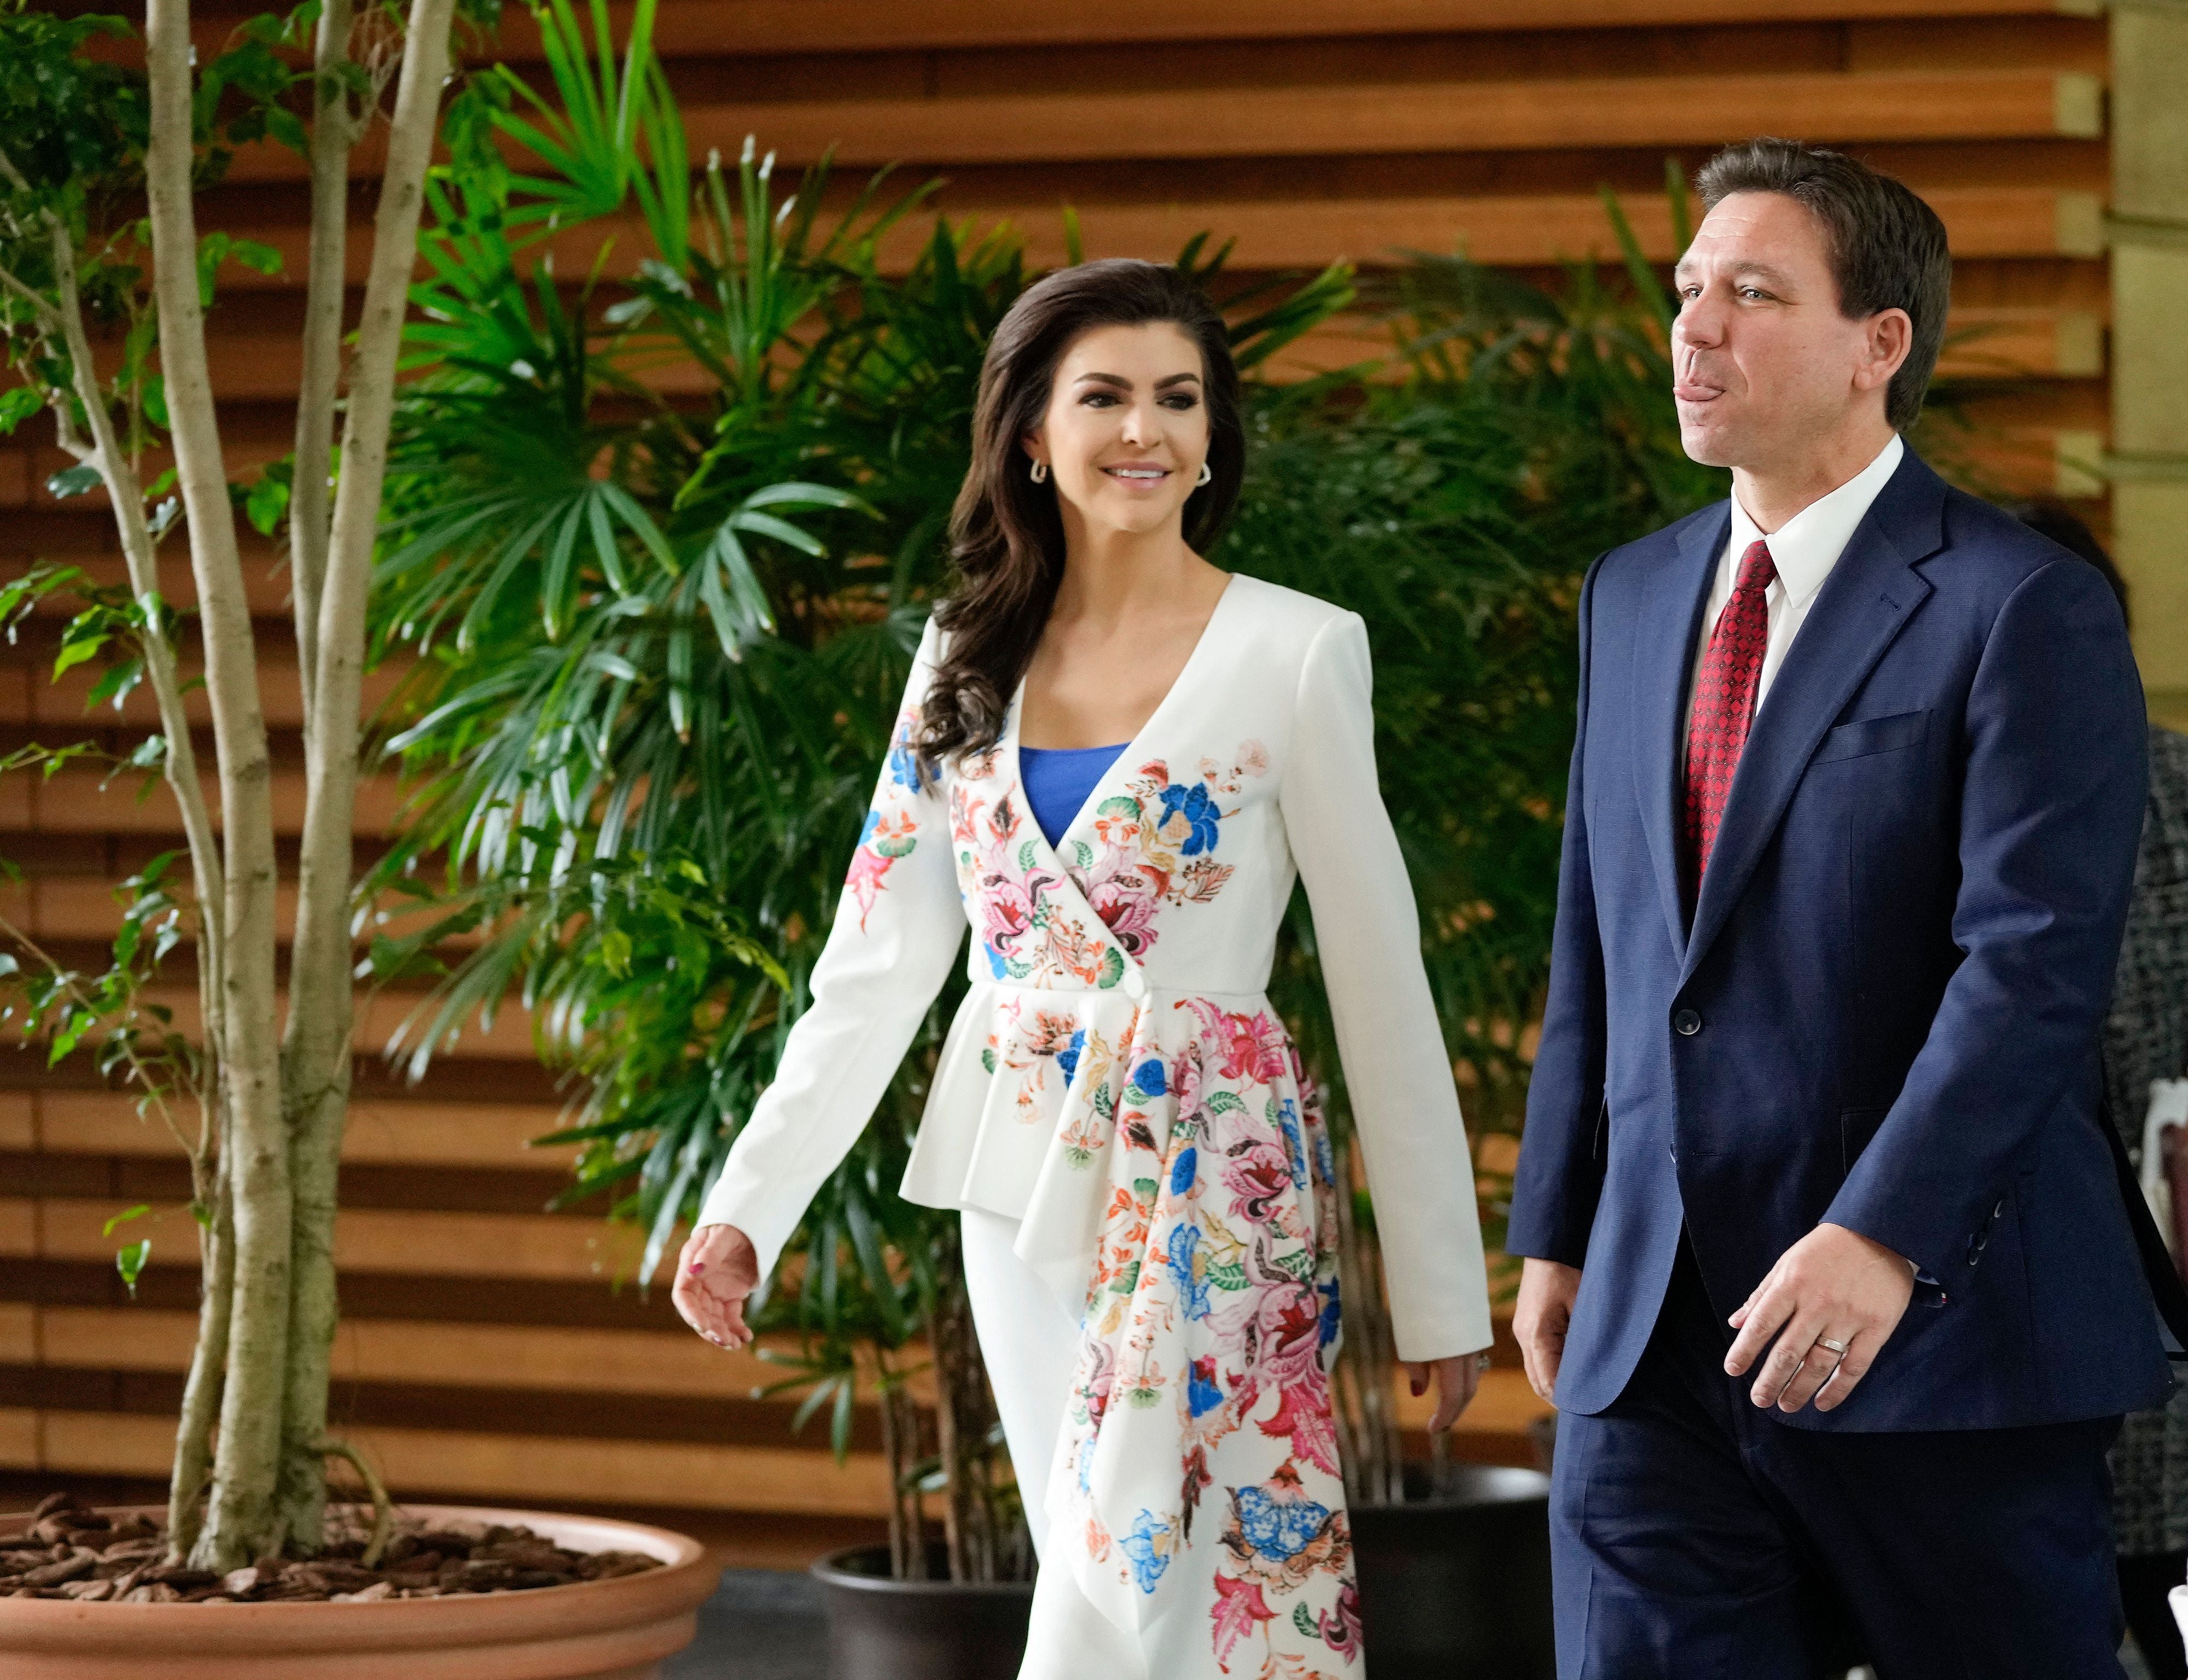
<point>1456,1379</point>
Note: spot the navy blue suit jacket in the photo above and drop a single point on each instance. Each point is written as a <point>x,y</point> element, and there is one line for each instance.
<point>1881,1009</point>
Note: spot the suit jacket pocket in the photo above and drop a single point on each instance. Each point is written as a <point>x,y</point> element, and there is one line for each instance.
<point>1867,736</point>
<point>1856,1127</point>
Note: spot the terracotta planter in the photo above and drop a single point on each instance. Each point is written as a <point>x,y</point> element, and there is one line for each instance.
<point>1459,1583</point>
<point>880,1629</point>
<point>618,1629</point>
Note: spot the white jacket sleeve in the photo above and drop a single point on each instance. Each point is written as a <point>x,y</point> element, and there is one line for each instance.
<point>898,926</point>
<point>1405,1101</point>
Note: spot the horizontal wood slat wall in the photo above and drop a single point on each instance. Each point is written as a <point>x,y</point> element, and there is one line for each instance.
<point>492,1349</point>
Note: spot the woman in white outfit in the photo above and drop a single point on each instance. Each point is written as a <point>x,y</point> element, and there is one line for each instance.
<point>1145,1182</point>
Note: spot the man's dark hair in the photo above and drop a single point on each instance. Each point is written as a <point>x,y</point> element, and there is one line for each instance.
<point>1888,248</point>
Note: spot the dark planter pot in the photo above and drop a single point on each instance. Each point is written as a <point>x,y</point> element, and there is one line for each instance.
<point>1458,1583</point>
<point>880,1629</point>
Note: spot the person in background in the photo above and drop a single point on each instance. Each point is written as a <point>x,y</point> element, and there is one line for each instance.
<point>2146,1038</point>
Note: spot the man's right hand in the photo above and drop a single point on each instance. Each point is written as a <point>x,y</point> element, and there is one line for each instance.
<point>717,1269</point>
<point>1547,1290</point>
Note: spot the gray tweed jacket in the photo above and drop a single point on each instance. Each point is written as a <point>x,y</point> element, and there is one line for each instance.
<point>2146,1039</point>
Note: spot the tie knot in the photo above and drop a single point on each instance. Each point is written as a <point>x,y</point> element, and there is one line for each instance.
<point>1757,571</point>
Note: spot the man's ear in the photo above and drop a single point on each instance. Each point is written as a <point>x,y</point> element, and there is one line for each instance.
<point>1890,336</point>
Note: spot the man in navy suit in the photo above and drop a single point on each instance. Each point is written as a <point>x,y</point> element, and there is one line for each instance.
<point>1828,1269</point>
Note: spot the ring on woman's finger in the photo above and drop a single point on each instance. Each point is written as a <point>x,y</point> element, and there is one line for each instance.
<point>1837,1347</point>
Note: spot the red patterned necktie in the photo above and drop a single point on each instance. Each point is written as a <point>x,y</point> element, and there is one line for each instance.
<point>1724,702</point>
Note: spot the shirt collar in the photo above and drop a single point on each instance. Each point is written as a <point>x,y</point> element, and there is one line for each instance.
<point>1807,546</point>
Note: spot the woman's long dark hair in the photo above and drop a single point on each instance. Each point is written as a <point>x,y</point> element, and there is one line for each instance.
<point>1005,532</point>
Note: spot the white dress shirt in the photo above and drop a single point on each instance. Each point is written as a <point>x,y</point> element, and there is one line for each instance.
<point>1804,549</point>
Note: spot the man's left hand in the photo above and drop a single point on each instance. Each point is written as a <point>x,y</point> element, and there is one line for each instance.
<point>1833,1286</point>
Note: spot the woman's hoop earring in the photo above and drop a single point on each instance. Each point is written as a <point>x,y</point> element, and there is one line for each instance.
<point>1040,474</point>
<point>1207,476</point>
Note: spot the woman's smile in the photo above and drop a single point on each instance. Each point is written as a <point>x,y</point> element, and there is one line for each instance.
<point>1137,472</point>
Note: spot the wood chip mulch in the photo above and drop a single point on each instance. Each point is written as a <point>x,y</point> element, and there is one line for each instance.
<point>72,1552</point>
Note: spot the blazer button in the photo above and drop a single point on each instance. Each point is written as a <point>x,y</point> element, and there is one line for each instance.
<point>1686,1024</point>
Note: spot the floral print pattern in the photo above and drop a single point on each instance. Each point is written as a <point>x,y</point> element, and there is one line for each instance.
<point>891,830</point>
<point>1201,1419</point>
<point>1029,918</point>
<point>1154,844</point>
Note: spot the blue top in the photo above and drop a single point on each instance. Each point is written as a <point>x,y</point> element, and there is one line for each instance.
<point>1059,778</point>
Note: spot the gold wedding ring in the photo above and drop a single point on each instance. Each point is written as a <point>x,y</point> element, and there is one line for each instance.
<point>1838,1348</point>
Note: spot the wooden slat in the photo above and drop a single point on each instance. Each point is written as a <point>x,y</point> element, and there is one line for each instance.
<point>73,803</point>
<point>280,691</point>
<point>381,1133</point>
<point>1476,116</point>
<point>380,1016</point>
<point>1581,114</point>
<point>570,1247</point>
<point>1980,343</point>
<point>391,1351</point>
<point>708,29</point>
<point>2001,342</point>
<point>1522,232</point>
<point>1515,231</point>
<point>540,1469</point>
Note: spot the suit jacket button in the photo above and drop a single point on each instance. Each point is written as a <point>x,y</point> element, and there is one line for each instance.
<point>1686,1024</point>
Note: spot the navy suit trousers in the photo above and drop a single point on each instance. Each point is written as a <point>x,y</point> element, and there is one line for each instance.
<point>1695,1538</point>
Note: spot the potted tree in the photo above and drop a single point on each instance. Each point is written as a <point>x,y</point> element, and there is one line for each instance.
<point>105,280</point>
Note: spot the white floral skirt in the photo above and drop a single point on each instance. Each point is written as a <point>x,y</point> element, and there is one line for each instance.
<point>1194,1501</point>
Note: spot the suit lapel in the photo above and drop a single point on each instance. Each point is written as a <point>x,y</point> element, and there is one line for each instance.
<point>1862,607</point>
<point>1663,651</point>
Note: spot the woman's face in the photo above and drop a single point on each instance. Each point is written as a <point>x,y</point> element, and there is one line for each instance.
<point>1126,429</point>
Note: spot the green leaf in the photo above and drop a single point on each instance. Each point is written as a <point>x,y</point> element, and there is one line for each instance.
<point>73,481</point>
<point>130,1263</point>
<point>124,1217</point>
<point>17,404</point>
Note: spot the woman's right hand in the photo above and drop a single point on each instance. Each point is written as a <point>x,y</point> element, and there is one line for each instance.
<point>717,1269</point>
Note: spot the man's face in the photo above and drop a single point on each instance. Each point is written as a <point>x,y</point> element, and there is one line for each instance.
<point>1766,370</point>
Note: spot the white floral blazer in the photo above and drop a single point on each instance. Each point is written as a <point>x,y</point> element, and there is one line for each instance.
<point>1153,925</point>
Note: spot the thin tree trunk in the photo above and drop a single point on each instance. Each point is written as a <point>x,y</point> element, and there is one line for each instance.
<point>142,561</point>
<point>208,1366</point>
<point>201,1392</point>
<point>334,131</point>
<point>316,1050</point>
<point>246,1457</point>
